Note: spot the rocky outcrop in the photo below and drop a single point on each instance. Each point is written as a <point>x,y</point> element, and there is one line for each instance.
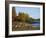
<point>20,26</point>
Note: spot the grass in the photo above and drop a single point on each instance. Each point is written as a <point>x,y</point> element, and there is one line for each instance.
<point>35,28</point>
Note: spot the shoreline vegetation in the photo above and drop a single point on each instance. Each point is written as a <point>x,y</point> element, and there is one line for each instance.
<point>23,21</point>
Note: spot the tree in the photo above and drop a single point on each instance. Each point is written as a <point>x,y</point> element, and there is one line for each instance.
<point>13,14</point>
<point>22,16</point>
<point>29,20</point>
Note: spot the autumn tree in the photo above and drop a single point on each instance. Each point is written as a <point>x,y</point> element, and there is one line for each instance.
<point>22,16</point>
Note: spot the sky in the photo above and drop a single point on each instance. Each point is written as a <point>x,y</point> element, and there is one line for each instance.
<point>33,12</point>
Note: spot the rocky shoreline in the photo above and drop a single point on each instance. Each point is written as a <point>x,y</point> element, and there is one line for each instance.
<point>19,26</point>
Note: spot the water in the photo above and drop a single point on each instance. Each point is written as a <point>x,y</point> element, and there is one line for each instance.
<point>36,24</point>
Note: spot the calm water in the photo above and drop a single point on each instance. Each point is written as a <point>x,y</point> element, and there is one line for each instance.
<point>36,24</point>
